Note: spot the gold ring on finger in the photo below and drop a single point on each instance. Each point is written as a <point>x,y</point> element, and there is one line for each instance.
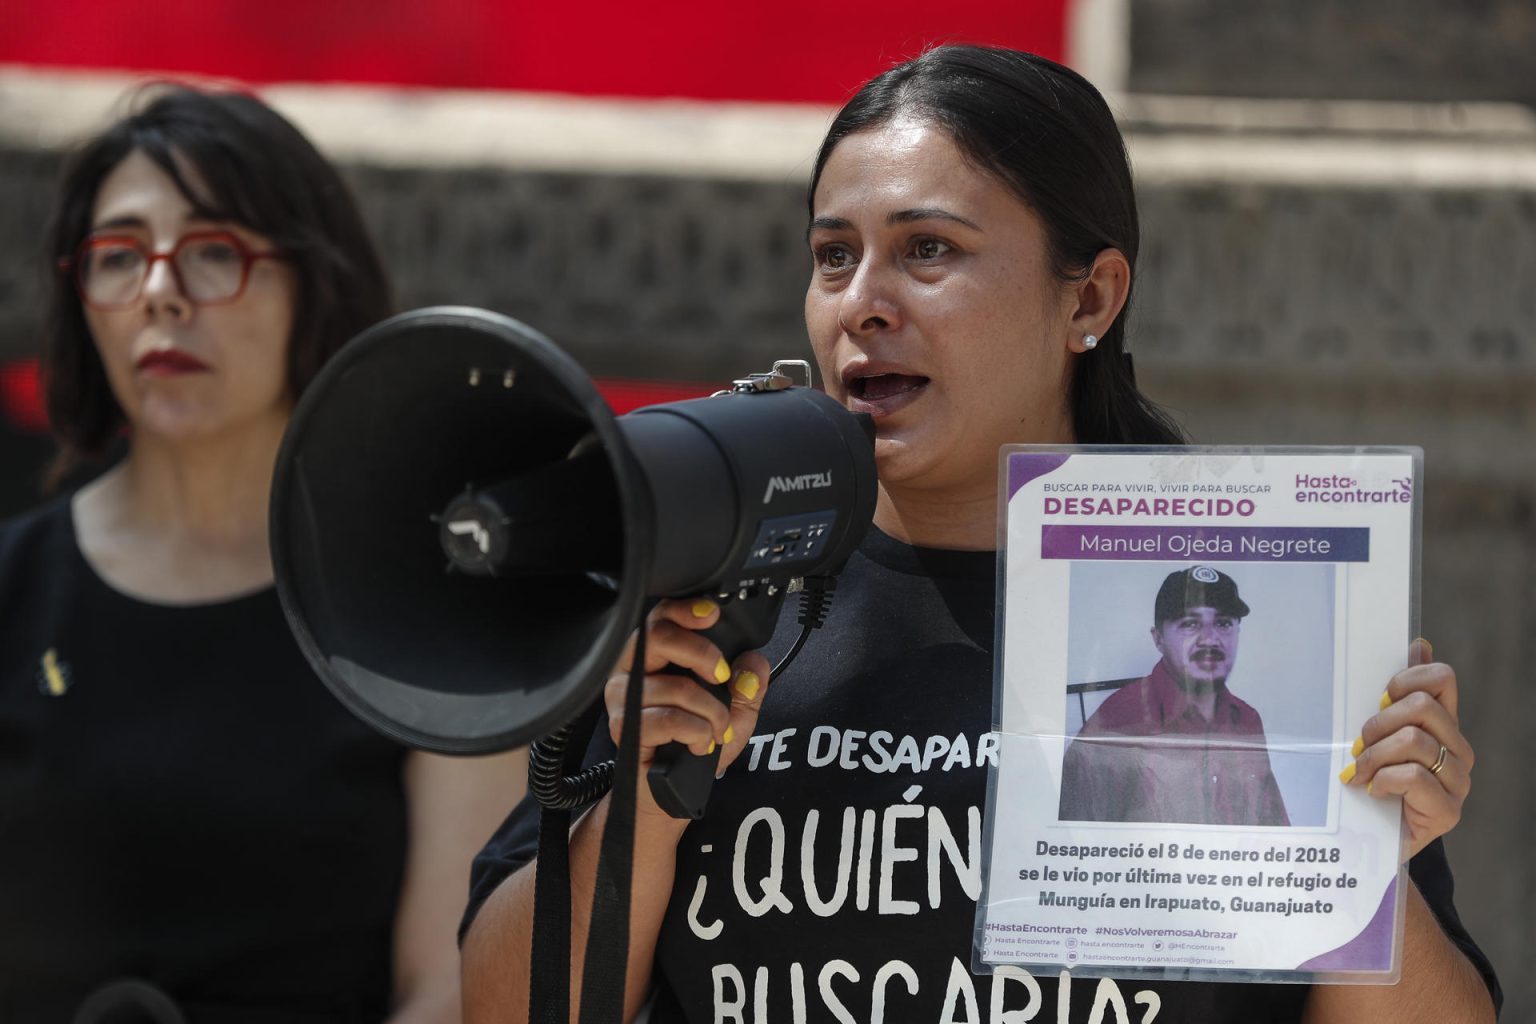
<point>1434,769</point>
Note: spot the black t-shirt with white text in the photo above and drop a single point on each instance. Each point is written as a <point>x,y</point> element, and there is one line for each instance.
<point>835,876</point>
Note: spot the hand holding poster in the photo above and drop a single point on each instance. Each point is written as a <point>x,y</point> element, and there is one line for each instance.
<point>1190,640</point>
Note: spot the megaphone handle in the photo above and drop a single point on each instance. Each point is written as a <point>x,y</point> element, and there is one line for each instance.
<point>680,780</point>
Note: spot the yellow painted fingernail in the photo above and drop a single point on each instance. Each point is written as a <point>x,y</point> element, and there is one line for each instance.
<point>1386,700</point>
<point>1368,786</point>
<point>1359,747</point>
<point>722,671</point>
<point>703,608</point>
<point>711,749</point>
<point>730,734</point>
<point>1348,773</point>
<point>747,683</point>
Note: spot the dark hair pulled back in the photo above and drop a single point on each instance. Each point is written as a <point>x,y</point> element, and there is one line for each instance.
<point>1047,134</point>
<point>235,159</point>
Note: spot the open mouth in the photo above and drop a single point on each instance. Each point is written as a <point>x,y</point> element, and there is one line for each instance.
<point>882,386</point>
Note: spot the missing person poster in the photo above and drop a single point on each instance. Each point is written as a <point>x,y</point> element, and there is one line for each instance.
<point>1190,641</point>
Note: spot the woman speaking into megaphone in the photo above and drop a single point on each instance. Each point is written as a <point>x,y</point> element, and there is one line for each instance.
<point>973,236</point>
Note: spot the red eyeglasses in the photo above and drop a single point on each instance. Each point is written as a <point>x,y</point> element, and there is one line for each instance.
<point>211,267</point>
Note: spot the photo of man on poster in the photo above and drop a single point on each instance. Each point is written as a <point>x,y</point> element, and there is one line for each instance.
<point>1177,745</point>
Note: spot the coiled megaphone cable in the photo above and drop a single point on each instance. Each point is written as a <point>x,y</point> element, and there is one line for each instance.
<point>547,780</point>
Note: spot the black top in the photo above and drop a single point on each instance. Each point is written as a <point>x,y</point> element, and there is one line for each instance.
<point>182,801</point>
<point>838,866</point>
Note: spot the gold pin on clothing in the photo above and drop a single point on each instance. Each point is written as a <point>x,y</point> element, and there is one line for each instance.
<point>53,676</point>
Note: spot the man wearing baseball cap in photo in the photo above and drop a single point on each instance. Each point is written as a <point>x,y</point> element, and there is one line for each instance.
<point>1176,745</point>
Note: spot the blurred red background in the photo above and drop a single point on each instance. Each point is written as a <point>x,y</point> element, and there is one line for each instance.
<point>793,50</point>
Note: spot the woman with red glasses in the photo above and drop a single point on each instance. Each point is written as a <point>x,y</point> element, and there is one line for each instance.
<point>193,826</point>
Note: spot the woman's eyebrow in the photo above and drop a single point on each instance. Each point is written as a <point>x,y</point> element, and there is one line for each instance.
<point>899,217</point>
<point>929,213</point>
<point>127,221</point>
<point>827,224</point>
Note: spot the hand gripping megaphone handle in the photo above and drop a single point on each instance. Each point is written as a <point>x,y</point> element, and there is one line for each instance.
<point>681,781</point>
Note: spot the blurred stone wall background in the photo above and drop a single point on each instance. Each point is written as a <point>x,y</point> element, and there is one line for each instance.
<point>1315,271</point>
<point>1434,50</point>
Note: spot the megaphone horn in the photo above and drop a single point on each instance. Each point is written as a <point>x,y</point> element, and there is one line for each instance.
<point>464,535</point>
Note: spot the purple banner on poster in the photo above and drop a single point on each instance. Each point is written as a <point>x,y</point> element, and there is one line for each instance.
<point>1026,466</point>
<point>1208,543</point>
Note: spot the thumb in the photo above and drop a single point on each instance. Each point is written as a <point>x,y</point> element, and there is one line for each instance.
<point>1420,652</point>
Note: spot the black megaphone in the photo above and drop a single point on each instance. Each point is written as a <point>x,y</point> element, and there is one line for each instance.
<point>464,535</point>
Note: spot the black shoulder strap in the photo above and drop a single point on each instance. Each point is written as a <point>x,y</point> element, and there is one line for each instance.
<point>602,990</point>
<point>549,986</point>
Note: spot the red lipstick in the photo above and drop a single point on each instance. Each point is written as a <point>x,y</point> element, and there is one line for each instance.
<point>168,363</point>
